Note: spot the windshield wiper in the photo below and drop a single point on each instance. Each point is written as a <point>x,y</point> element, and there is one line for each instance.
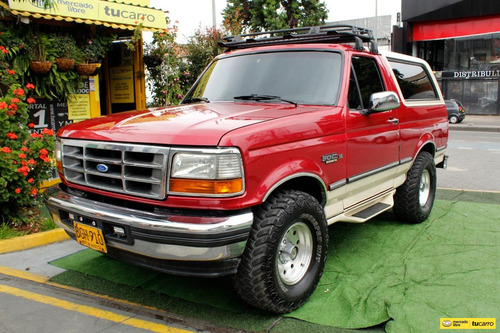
<point>257,97</point>
<point>196,99</point>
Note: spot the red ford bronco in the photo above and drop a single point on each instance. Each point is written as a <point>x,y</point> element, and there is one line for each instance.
<point>282,135</point>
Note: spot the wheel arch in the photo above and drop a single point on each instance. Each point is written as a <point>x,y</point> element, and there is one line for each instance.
<point>305,182</point>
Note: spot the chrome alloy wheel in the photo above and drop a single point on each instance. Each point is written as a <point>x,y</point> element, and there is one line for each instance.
<point>425,187</point>
<point>295,252</point>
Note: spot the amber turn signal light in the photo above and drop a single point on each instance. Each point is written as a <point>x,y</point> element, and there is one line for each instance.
<point>201,186</point>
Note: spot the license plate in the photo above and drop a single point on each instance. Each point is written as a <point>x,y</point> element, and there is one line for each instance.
<point>90,237</point>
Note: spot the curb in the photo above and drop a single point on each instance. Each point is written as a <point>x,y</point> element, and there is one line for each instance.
<point>475,128</point>
<point>33,240</point>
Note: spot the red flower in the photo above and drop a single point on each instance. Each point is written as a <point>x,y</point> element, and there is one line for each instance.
<point>35,135</point>
<point>22,155</point>
<point>33,192</point>
<point>24,170</point>
<point>13,106</point>
<point>6,150</point>
<point>30,86</point>
<point>45,159</point>
<point>15,99</point>
<point>24,149</point>
<point>5,51</point>
<point>31,125</point>
<point>31,161</point>
<point>31,180</point>
<point>17,190</point>
<point>3,105</point>
<point>11,136</point>
<point>44,151</point>
<point>19,92</point>
<point>11,72</point>
<point>47,131</point>
<point>10,112</point>
<point>31,100</point>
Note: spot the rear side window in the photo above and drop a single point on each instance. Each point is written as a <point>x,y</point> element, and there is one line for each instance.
<point>414,81</point>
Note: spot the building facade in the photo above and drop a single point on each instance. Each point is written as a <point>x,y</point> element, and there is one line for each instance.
<point>461,41</point>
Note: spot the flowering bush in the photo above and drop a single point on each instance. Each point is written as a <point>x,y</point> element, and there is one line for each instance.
<point>25,157</point>
<point>180,65</point>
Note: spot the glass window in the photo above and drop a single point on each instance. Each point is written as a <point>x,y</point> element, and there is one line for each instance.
<point>365,72</point>
<point>413,81</point>
<point>303,77</point>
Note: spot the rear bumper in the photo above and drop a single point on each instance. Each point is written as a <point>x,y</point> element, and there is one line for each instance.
<point>161,241</point>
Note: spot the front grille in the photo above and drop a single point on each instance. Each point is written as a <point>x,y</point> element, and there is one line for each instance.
<point>136,170</point>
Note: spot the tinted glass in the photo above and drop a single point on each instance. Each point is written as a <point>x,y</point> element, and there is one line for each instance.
<point>368,77</point>
<point>413,81</point>
<point>302,77</point>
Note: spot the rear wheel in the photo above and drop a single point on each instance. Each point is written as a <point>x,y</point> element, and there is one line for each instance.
<point>414,199</point>
<point>454,119</point>
<point>285,253</point>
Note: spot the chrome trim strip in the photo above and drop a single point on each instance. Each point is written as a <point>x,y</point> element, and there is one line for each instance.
<point>337,185</point>
<point>296,175</point>
<point>406,160</point>
<point>440,148</point>
<point>206,226</point>
<point>372,172</point>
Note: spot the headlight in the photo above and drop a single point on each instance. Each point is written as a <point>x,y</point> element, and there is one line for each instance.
<point>58,154</point>
<point>208,172</point>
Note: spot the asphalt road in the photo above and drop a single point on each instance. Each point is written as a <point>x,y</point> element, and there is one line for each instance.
<point>474,162</point>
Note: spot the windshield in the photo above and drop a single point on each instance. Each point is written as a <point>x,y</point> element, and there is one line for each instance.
<point>301,77</point>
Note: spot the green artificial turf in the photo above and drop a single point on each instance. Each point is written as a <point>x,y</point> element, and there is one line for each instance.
<point>383,270</point>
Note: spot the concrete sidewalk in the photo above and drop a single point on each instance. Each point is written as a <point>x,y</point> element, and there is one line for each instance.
<point>478,123</point>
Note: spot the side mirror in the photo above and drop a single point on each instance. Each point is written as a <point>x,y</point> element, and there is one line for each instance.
<point>382,101</point>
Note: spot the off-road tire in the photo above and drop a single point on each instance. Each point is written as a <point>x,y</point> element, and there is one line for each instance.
<point>289,229</point>
<point>414,199</point>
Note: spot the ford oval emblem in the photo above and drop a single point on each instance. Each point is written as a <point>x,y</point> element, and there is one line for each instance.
<point>102,168</point>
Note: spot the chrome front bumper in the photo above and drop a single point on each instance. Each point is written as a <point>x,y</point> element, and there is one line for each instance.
<point>159,236</point>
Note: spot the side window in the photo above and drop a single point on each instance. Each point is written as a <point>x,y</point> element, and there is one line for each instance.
<point>413,81</point>
<point>365,80</point>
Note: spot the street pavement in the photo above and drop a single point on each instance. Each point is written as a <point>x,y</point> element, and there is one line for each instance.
<point>32,255</point>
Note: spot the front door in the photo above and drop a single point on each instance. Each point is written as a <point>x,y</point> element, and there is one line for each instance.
<point>373,140</point>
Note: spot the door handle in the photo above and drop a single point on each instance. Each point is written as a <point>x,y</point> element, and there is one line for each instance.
<point>394,121</point>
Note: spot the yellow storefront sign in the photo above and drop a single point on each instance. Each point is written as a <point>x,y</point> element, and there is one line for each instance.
<point>100,10</point>
<point>79,107</point>
<point>121,84</point>
<point>467,323</point>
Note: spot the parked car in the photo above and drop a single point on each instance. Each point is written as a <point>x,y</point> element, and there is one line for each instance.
<point>279,138</point>
<point>456,111</point>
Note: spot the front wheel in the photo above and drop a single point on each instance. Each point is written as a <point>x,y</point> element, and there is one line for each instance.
<point>285,253</point>
<point>414,199</point>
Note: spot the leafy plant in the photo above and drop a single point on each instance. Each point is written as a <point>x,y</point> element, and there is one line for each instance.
<point>66,46</point>
<point>25,157</point>
<point>94,48</point>
<point>180,65</point>
<point>40,47</point>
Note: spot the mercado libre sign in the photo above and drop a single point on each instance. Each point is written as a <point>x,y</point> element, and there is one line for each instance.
<point>99,10</point>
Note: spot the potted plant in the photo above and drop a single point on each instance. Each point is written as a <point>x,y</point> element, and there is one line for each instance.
<point>92,51</point>
<point>66,51</point>
<point>40,53</point>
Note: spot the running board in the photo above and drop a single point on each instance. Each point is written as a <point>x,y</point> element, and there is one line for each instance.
<point>366,210</point>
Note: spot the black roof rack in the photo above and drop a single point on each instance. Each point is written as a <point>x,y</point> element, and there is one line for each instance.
<point>318,34</point>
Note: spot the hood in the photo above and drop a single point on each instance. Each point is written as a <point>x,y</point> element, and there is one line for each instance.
<point>193,124</point>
